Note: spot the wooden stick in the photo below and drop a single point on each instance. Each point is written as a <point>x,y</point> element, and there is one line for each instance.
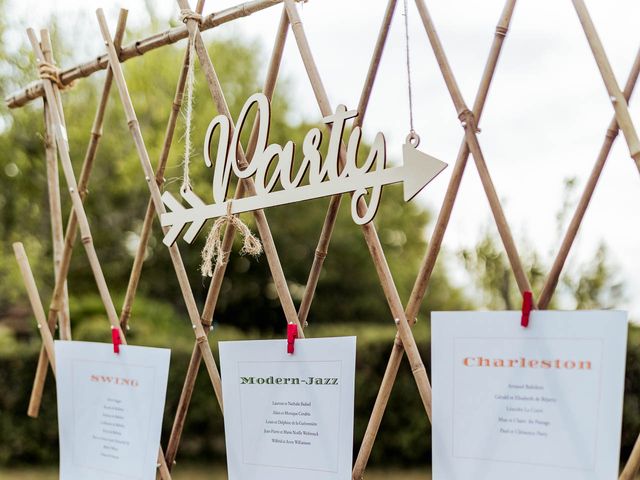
<point>55,208</point>
<point>57,230</point>
<point>45,45</point>
<point>147,226</point>
<point>220,269</point>
<point>183,406</point>
<point>268,89</point>
<point>435,243</point>
<point>163,469</point>
<point>370,234</point>
<point>57,297</point>
<point>60,135</point>
<point>470,128</point>
<point>47,339</point>
<point>268,243</point>
<point>83,222</point>
<point>633,464</point>
<point>33,409</point>
<point>34,299</point>
<point>572,231</point>
<point>135,49</point>
<point>615,94</point>
<point>334,204</point>
<point>183,280</point>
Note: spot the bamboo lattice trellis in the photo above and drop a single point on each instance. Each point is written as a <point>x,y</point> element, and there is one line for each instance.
<point>63,240</point>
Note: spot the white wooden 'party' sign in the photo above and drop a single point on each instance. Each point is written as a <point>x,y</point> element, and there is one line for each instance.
<point>325,177</point>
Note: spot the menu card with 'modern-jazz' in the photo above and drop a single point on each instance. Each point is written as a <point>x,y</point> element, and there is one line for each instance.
<point>288,417</point>
<point>527,403</point>
<point>110,410</point>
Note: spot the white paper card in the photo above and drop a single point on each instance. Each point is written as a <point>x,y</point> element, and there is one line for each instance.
<point>288,417</point>
<point>110,409</point>
<point>527,403</point>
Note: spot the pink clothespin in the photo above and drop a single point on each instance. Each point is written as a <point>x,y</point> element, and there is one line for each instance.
<point>115,338</point>
<point>292,334</point>
<point>527,303</point>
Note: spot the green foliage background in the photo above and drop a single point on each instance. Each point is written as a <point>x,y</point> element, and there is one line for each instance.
<point>404,438</point>
<point>348,289</point>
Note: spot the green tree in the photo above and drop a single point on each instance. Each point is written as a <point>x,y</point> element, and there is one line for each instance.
<point>348,290</point>
<point>588,286</point>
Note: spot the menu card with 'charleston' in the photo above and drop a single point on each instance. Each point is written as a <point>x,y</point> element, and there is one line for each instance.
<point>527,403</point>
<point>110,409</point>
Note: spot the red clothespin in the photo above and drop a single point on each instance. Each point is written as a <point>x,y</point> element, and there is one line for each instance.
<point>527,303</point>
<point>292,334</point>
<point>115,338</point>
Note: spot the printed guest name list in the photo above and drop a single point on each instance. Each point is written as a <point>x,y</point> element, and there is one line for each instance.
<point>537,402</point>
<point>288,415</point>
<point>291,422</point>
<point>110,410</point>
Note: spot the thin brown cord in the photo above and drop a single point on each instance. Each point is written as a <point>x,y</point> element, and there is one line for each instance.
<point>185,16</point>
<point>48,71</point>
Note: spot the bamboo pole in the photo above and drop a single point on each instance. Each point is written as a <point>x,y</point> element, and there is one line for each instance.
<point>147,226</point>
<point>140,47</point>
<point>469,123</point>
<point>55,212</point>
<point>426,268</point>
<point>35,400</point>
<point>370,234</point>
<point>268,243</point>
<point>163,469</point>
<point>87,240</point>
<point>220,269</point>
<point>34,299</point>
<point>322,248</point>
<point>57,297</point>
<point>54,188</point>
<point>55,208</point>
<point>47,338</point>
<point>183,280</point>
<point>633,464</point>
<point>268,89</point>
<point>615,94</point>
<point>572,231</point>
<point>183,406</point>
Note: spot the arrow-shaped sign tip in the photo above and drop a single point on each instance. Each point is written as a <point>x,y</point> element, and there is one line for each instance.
<point>419,169</point>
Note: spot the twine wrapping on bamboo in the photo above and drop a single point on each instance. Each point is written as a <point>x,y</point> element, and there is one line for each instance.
<point>48,71</point>
<point>213,250</point>
<point>187,15</point>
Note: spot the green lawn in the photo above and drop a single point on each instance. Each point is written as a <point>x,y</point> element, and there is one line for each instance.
<point>207,473</point>
<point>204,473</point>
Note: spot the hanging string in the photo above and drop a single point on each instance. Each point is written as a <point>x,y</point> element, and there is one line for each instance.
<point>406,34</point>
<point>186,15</point>
<point>213,250</point>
